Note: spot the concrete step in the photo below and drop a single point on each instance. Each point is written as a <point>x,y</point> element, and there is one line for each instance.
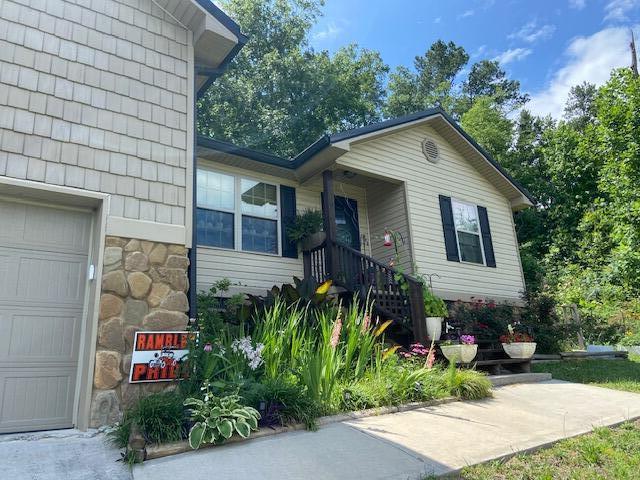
<point>513,378</point>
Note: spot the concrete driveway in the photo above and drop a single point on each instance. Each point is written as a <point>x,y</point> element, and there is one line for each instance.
<point>60,455</point>
<point>412,444</point>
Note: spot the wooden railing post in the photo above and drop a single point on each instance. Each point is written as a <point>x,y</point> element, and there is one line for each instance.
<point>329,221</point>
<point>418,319</point>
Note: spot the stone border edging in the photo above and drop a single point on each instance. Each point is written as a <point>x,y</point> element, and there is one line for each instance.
<point>174,448</point>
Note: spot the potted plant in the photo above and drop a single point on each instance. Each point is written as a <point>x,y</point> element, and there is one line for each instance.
<point>630,342</point>
<point>517,344</point>
<point>435,310</point>
<point>463,352</point>
<point>305,230</point>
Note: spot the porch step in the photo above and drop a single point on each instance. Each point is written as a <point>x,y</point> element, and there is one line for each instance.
<point>513,378</point>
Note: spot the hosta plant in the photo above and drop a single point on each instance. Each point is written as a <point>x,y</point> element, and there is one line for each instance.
<point>218,418</point>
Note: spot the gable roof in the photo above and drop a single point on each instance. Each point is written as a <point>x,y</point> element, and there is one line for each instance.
<point>340,142</point>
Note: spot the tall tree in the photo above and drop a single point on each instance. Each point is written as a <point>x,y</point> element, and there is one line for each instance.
<point>580,109</point>
<point>430,83</point>
<point>278,94</point>
<point>486,123</point>
<point>487,79</point>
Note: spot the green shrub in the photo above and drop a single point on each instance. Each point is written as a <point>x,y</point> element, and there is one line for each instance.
<point>160,417</point>
<point>281,401</point>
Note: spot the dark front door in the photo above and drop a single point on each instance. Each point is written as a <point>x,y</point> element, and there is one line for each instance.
<point>347,224</point>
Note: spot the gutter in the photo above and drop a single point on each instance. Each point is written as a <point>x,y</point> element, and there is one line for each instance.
<point>213,74</point>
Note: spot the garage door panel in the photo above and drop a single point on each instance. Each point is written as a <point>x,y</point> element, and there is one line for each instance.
<point>48,278</point>
<point>44,228</point>
<point>35,399</point>
<point>43,273</point>
<point>39,335</point>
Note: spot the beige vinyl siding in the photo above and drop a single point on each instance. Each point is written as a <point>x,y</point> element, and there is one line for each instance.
<point>387,210</point>
<point>399,156</point>
<point>255,272</point>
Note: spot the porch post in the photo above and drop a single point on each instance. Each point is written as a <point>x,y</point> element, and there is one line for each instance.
<point>418,318</point>
<point>329,220</point>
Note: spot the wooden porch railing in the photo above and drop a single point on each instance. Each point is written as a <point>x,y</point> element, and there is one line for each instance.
<point>395,294</point>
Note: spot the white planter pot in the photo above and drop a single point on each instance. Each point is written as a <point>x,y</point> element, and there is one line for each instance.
<point>520,349</point>
<point>459,353</point>
<point>434,327</point>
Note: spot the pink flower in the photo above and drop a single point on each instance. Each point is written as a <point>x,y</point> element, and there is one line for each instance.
<point>335,333</point>
<point>365,323</point>
<point>207,347</point>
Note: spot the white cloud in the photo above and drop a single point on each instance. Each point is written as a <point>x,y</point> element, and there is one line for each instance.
<point>479,51</point>
<point>589,59</point>
<point>467,13</point>
<point>577,4</point>
<point>437,20</point>
<point>513,55</point>
<point>331,31</point>
<point>531,33</point>
<point>619,9</point>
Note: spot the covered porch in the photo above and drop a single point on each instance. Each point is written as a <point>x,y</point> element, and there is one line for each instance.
<point>358,208</point>
<point>378,266</point>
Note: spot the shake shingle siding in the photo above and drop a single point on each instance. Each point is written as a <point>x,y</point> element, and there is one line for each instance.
<point>93,95</point>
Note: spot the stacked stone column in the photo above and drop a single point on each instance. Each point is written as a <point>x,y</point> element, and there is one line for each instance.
<point>144,287</point>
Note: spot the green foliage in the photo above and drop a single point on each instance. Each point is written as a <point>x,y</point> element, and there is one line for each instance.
<point>606,453</point>
<point>467,384</point>
<point>307,293</point>
<point>630,339</point>
<point>306,224</point>
<point>218,418</point>
<point>488,125</point>
<point>279,94</point>
<point>282,401</point>
<point>159,416</point>
<point>434,306</point>
<point>281,329</point>
<point>615,374</point>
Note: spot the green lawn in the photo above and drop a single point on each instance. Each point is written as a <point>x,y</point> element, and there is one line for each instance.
<point>604,454</point>
<point>616,374</point>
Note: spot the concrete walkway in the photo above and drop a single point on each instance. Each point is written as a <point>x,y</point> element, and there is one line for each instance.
<point>60,455</point>
<point>412,444</point>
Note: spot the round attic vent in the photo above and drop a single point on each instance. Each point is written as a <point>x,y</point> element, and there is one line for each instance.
<point>430,150</point>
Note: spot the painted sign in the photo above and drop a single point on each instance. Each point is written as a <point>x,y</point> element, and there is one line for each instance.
<point>158,356</point>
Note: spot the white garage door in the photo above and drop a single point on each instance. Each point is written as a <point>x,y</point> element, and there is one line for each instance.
<point>43,272</point>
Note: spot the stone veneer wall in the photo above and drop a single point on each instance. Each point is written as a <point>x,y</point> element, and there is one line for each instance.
<point>144,286</point>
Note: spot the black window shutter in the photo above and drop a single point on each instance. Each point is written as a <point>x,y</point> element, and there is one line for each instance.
<point>489,256</point>
<point>449,229</point>
<point>287,217</point>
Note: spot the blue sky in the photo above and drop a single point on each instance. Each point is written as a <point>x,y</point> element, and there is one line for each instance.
<point>548,45</point>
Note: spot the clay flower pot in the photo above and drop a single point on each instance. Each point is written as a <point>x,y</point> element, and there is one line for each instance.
<point>520,349</point>
<point>459,353</point>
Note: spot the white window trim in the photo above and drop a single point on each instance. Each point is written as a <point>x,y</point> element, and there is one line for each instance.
<point>238,214</point>
<point>478,233</point>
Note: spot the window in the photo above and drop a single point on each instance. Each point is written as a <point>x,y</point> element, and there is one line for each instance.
<point>259,216</point>
<point>469,238</point>
<point>237,213</point>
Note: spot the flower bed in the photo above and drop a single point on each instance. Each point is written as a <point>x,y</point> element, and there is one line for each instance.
<point>297,356</point>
